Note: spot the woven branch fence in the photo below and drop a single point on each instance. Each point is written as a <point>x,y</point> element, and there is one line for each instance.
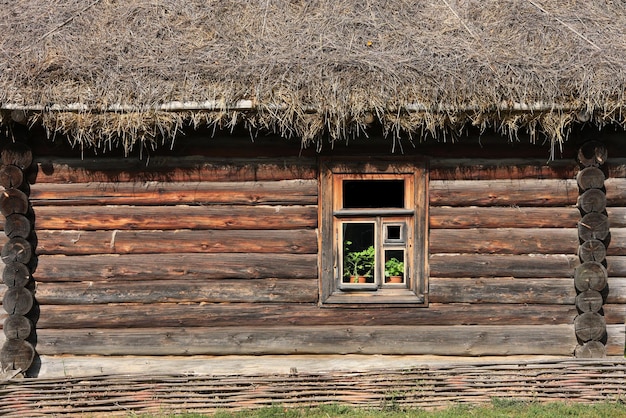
<point>428,387</point>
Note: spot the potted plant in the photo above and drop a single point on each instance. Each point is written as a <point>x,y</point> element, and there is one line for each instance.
<point>394,270</point>
<point>359,264</point>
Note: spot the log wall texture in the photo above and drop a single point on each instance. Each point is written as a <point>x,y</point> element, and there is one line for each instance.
<point>18,257</point>
<point>200,256</point>
<point>506,234</point>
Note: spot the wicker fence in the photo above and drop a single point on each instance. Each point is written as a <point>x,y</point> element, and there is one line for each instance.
<point>434,386</point>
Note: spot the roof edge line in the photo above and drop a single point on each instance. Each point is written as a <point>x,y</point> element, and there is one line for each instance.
<point>246,104</point>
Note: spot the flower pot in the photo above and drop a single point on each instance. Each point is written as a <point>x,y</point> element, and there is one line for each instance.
<point>394,279</point>
<point>359,279</point>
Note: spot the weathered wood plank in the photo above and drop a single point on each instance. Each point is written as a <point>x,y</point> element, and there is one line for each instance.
<point>614,313</point>
<point>137,267</point>
<point>505,217</point>
<point>277,314</point>
<point>285,192</point>
<point>176,217</point>
<point>616,290</point>
<point>617,217</point>
<point>503,192</point>
<point>179,291</point>
<point>163,168</point>
<point>504,241</point>
<point>479,240</point>
<point>615,340</point>
<point>296,241</point>
<point>616,266</point>
<point>410,340</point>
<point>617,246</point>
<point>437,370</point>
<point>500,169</point>
<point>517,192</point>
<point>615,191</point>
<point>520,266</point>
<point>502,290</point>
<point>515,217</point>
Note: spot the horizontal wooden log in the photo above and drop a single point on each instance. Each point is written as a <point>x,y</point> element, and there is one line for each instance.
<point>507,290</point>
<point>504,240</point>
<point>303,241</point>
<point>500,169</point>
<point>614,313</point>
<point>502,290</point>
<point>519,266</point>
<point>283,314</point>
<point>617,217</point>
<point>162,168</point>
<point>538,266</point>
<point>615,340</point>
<point>616,266</point>
<point>503,193</point>
<point>616,290</point>
<point>481,168</point>
<point>505,217</point>
<point>483,240</point>
<point>191,314</point>
<point>179,291</point>
<point>201,168</point>
<point>615,193</point>
<point>409,340</point>
<point>463,218</point>
<point>285,192</point>
<point>176,217</point>
<point>137,267</point>
<point>296,241</point>
<point>617,246</point>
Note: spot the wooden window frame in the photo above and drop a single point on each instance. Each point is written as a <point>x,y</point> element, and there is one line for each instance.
<point>415,174</point>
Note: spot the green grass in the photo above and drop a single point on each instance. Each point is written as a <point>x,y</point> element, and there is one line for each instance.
<point>497,409</point>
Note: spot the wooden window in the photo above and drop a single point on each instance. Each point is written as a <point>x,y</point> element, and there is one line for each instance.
<point>373,232</point>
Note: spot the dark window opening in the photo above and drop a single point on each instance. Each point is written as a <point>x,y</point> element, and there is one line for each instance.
<point>394,232</point>
<point>373,194</point>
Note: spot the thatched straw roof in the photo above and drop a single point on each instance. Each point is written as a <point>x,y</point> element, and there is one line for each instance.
<point>134,70</point>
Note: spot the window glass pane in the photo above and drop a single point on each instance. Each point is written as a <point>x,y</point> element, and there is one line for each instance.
<point>358,252</point>
<point>373,194</point>
<point>394,266</point>
<point>393,232</point>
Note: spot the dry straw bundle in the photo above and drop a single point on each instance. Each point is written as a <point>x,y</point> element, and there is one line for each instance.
<point>121,72</point>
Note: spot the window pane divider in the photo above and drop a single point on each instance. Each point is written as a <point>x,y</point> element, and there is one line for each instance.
<point>345,213</point>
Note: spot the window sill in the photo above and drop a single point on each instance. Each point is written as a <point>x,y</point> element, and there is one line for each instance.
<point>381,296</point>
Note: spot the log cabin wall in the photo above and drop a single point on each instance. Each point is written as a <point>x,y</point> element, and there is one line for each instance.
<point>504,235</point>
<point>200,256</point>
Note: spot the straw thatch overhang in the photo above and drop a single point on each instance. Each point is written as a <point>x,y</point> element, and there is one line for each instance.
<point>126,72</point>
